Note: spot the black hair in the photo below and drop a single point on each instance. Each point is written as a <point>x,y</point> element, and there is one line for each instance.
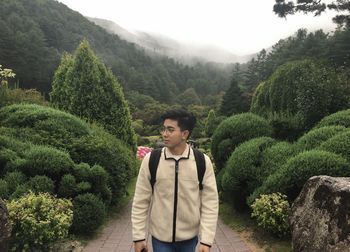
<point>185,119</point>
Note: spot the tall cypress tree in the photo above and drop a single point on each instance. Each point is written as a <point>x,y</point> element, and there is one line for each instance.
<point>83,86</point>
<point>232,101</point>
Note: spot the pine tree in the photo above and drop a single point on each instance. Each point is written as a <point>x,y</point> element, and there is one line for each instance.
<point>83,86</point>
<point>232,101</point>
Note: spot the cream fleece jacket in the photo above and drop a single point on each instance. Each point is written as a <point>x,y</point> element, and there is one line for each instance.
<point>175,216</point>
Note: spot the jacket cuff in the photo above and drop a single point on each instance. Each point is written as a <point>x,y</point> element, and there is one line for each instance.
<point>139,240</point>
<point>206,244</point>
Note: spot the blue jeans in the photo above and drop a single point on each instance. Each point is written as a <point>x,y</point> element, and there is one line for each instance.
<point>179,246</point>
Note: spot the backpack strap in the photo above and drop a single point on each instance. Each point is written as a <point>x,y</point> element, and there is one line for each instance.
<point>153,165</point>
<point>200,162</point>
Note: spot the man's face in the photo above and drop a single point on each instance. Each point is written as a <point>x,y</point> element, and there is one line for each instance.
<point>172,134</point>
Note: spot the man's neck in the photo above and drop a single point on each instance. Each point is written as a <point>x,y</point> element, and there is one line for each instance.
<point>179,149</point>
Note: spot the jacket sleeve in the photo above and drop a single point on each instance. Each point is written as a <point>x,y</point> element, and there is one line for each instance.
<point>141,202</point>
<point>209,205</point>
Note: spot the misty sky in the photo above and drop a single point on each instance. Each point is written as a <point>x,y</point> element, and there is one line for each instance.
<point>240,26</point>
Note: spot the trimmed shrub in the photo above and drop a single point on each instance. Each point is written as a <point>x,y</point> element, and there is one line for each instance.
<point>341,118</point>
<point>271,213</point>
<point>6,156</point>
<point>14,179</point>
<point>42,160</point>
<point>42,184</point>
<point>38,221</point>
<point>4,189</point>
<point>233,131</point>
<point>286,126</point>
<point>67,187</point>
<point>89,213</point>
<point>243,173</point>
<point>292,176</point>
<point>339,144</point>
<point>305,89</point>
<point>314,138</point>
<point>83,187</point>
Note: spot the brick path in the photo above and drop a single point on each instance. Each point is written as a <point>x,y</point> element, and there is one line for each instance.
<point>116,237</point>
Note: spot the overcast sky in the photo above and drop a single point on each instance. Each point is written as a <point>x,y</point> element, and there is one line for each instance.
<point>240,26</point>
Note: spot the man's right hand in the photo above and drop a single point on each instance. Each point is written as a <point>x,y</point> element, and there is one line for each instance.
<point>140,245</point>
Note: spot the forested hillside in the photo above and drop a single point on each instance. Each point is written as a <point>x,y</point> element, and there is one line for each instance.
<point>35,34</point>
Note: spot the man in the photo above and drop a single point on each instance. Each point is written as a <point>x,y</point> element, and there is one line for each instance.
<point>177,209</point>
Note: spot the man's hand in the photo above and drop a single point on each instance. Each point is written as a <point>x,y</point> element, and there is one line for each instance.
<point>140,245</point>
<point>203,248</point>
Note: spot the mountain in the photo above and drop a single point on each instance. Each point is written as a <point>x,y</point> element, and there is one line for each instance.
<point>163,45</point>
<point>36,33</point>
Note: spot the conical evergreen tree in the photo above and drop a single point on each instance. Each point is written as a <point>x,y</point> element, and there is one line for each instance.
<point>232,101</point>
<point>83,86</point>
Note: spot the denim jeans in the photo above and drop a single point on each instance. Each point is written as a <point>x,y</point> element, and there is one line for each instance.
<point>180,246</point>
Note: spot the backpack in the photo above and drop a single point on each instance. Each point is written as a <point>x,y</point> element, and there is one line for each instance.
<point>154,161</point>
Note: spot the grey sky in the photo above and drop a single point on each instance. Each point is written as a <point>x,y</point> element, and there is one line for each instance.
<point>239,26</point>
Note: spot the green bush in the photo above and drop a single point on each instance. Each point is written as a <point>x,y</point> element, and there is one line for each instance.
<point>314,138</point>
<point>89,213</point>
<point>234,131</point>
<point>291,177</point>
<point>4,189</point>
<point>67,187</point>
<point>341,118</point>
<point>339,144</point>
<point>243,171</point>
<point>105,150</point>
<point>38,184</point>
<point>43,160</point>
<point>38,221</point>
<point>306,89</point>
<point>18,95</point>
<point>14,179</point>
<point>271,213</point>
<point>6,156</point>
<point>286,126</point>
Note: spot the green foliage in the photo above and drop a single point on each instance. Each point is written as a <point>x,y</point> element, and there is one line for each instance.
<point>232,101</point>
<point>286,126</point>
<point>339,144</point>
<point>4,190</point>
<point>67,187</point>
<point>38,184</point>
<point>38,221</point>
<point>188,97</point>
<point>210,126</point>
<point>271,213</point>
<point>43,160</point>
<point>291,177</point>
<point>89,213</point>
<point>341,118</point>
<point>314,138</point>
<point>233,131</point>
<point>85,87</point>
<point>14,179</point>
<point>243,171</point>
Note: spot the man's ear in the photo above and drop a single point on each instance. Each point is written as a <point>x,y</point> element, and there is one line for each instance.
<point>185,134</point>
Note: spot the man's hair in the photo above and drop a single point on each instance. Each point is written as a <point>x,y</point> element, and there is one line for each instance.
<point>185,119</point>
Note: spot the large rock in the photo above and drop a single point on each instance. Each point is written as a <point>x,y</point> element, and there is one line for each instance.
<point>320,219</point>
<point>5,227</point>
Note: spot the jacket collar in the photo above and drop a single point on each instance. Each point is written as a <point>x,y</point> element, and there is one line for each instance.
<point>184,155</point>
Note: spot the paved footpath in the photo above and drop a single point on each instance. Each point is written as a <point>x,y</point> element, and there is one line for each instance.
<point>116,237</point>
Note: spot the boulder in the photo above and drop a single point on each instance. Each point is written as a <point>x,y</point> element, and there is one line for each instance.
<point>5,227</point>
<point>320,217</point>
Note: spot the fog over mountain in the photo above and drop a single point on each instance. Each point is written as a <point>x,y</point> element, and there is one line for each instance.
<point>155,44</point>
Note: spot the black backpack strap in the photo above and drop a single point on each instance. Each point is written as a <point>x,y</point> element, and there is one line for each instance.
<point>200,162</point>
<point>153,165</point>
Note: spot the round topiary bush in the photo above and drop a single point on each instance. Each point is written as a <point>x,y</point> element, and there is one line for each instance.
<point>299,94</point>
<point>14,179</point>
<point>341,118</point>
<point>314,138</point>
<point>38,221</point>
<point>339,144</point>
<point>234,131</point>
<point>67,187</point>
<point>41,184</point>
<point>43,160</point>
<point>291,177</point>
<point>89,213</point>
<point>243,173</point>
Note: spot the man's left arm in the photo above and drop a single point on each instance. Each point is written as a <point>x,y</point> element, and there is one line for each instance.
<point>209,206</point>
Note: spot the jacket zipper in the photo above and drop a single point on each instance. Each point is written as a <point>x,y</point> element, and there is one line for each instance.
<point>175,197</point>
